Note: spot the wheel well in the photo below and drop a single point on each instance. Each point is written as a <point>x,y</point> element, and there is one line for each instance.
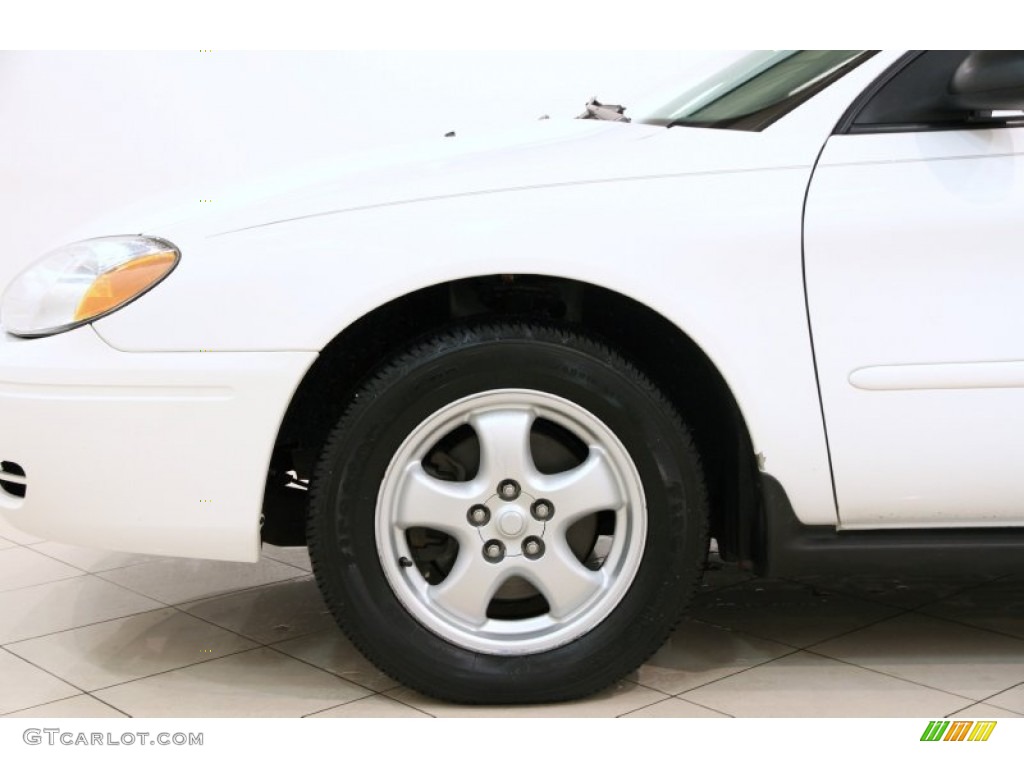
<point>657,347</point>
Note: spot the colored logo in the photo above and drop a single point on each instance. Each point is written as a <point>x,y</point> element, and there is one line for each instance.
<point>958,730</point>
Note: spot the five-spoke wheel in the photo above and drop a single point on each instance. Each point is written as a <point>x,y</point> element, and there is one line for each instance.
<point>508,513</point>
<point>514,529</point>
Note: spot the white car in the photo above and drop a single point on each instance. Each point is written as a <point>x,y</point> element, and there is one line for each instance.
<point>507,391</point>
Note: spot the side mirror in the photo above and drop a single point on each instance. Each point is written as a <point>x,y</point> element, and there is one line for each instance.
<point>989,80</point>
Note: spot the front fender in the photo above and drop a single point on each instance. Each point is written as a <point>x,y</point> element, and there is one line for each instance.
<point>718,255</point>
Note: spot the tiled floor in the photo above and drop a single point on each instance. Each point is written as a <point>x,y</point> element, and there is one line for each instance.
<point>95,634</point>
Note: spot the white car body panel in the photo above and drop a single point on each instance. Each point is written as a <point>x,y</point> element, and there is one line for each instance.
<point>164,454</point>
<point>918,325</point>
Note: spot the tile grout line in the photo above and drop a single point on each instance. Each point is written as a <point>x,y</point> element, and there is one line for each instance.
<point>49,673</point>
<point>370,695</point>
<point>638,684</point>
<point>260,643</point>
<point>344,679</point>
<point>899,612</point>
<point>986,699</point>
<point>30,544</point>
<point>44,703</point>
<point>108,704</point>
<point>665,697</point>
<point>285,562</point>
<point>1009,712</point>
<point>915,612</point>
<point>893,676</point>
<point>32,547</point>
<point>161,603</point>
<point>967,625</point>
<point>6,646</point>
<point>754,635</point>
<point>177,606</point>
<point>737,672</point>
<point>984,583</point>
<point>705,706</point>
<point>850,593</point>
<point>100,575</point>
<point>68,698</point>
<point>43,583</point>
<point>151,558</point>
<point>387,695</point>
<point>270,646</point>
<point>101,688</point>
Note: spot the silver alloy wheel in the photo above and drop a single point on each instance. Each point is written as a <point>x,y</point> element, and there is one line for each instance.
<point>525,533</point>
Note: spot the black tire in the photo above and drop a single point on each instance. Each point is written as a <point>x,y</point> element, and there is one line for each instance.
<point>621,623</point>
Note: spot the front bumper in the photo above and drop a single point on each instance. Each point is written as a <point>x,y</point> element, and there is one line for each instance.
<point>161,453</point>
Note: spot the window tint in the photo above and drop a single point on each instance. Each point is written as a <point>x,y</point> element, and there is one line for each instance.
<point>756,90</point>
<point>916,96</point>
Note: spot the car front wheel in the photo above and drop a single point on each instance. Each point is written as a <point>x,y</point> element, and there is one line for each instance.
<point>508,514</point>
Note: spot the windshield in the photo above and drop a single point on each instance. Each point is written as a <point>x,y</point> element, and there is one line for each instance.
<point>756,90</point>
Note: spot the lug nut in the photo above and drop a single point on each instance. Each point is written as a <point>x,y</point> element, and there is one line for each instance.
<point>542,510</point>
<point>533,547</point>
<point>508,490</point>
<point>478,515</point>
<point>494,551</point>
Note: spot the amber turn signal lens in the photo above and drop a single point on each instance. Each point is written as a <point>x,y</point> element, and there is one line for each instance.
<point>121,284</point>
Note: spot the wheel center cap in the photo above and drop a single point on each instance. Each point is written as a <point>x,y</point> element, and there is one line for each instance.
<point>511,522</point>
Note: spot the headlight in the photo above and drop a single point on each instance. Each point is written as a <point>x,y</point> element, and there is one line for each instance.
<point>84,281</point>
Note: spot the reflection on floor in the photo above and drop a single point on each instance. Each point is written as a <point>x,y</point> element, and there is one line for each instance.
<point>93,634</point>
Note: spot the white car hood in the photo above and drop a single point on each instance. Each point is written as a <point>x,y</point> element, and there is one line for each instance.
<point>548,153</point>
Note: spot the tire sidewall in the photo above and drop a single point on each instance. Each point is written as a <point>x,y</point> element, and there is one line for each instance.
<point>346,486</point>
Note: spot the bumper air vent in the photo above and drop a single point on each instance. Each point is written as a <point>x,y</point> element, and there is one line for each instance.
<point>12,479</point>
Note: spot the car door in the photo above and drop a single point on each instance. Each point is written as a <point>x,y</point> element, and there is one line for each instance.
<point>914,262</point>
